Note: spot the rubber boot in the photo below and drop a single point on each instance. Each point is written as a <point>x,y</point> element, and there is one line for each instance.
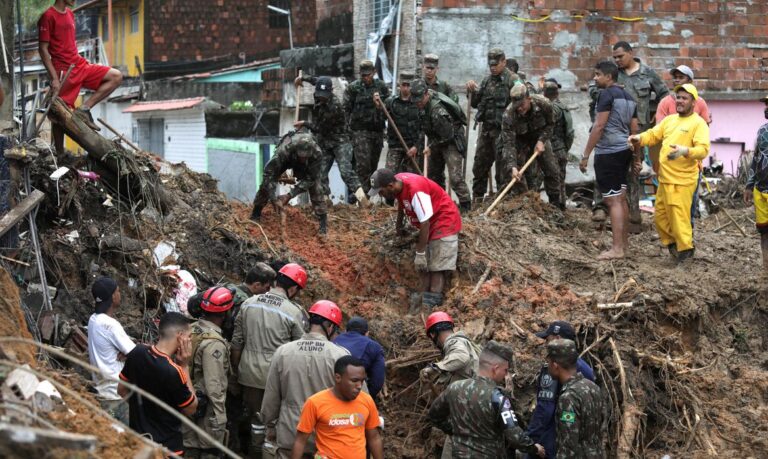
<point>431,300</point>
<point>323,224</point>
<point>684,255</point>
<point>256,214</point>
<point>258,434</point>
<point>672,248</point>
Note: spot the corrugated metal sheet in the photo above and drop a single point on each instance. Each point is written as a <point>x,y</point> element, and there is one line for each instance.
<point>164,105</point>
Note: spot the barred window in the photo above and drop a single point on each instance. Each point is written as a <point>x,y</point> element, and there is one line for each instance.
<point>378,11</point>
<point>277,20</point>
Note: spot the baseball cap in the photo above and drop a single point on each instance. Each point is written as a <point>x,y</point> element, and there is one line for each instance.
<point>562,349</point>
<point>324,87</point>
<point>684,69</point>
<point>495,55</point>
<point>559,328</point>
<point>501,350</point>
<point>381,178</point>
<point>518,93</point>
<point>418,89</point>
<point>102,291</point>
<point>367,67</point>
<point>431,60</point>
<point>406,77</point>
<point>357,324</point>
<point>689,88</point>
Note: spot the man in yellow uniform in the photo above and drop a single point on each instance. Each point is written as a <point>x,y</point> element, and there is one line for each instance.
<point>684,141</point>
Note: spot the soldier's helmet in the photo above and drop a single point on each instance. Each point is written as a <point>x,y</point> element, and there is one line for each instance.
<point>305,144</point>
<point>501,350</point>
<point>562,349</point>
<point>418,89</point>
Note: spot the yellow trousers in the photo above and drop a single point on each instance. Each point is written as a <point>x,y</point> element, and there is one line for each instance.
<point>673,215</point>
<point>761,210</point>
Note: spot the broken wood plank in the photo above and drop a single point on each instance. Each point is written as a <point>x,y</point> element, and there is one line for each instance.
<point>26,206</point>
<point>604,306</point>
<point>46,438</point>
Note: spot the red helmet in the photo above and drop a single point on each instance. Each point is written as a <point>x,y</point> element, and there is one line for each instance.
<point>436,318</point>
<point>217,299</point>
<point>327,310</point>
<point>295,273</point>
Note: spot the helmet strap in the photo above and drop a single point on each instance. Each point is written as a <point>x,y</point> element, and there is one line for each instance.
<point>329,333</point>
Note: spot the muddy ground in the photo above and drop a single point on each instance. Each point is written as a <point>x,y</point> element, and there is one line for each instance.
<point>691,348</point>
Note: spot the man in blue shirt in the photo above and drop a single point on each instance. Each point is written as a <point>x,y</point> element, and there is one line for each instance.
<point>541,429</point>
<point>357,342</point>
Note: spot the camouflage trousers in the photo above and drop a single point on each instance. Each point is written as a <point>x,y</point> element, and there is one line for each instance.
<point>367,147</point>
<point>316,196</point>
<point>487,152</point>
<point>449,156</point>
<point>398,161</point>
<point>547,164</point>
<point>341,152</point>
<point>562,162</point>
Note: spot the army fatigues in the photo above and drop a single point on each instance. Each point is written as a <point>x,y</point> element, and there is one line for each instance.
<point>443,130</point>
<point>366,126</point>
<point>442,87</point>
<point>299,370</point>
<point>265,323</point>
<point>406,116</point>
<point>478,417</point>
<point>209,371</point>
<point>308,173</point>
<point>329,124</point>
<point>490,100</point>
<point>562,140</point>
<point>581,420</point>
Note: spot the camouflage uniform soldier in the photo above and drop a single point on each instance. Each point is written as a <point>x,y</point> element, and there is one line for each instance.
<point>300,152</point>
<point>330,128</point>
<point>429,71</point>
<point>527,127</point>
<point>366,123</point>
<point>406,116</point>
<point>581,415</point>
<point>562,136</point>
<point>477,414</point>
<point>446,140</point>
<point>490,99</point>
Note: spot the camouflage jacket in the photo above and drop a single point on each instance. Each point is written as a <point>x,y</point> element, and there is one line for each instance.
<point>562,135</point>
<point>647,88</point>
<point>438,125</point>
<point>581,420</point>
<point>329,124</point>
<point>242,293</point>
<point>286,157</point>
<point>479,417</point>
<point>492,97</point>
<point>406,116</point>
<point>536,125</point>
<point>362,114</point>
<point>460,359</point>
<point>443,87</point>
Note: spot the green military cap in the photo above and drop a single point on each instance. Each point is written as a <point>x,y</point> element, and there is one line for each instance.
<point>500,350</point>
<point>518,93</point>
<point>431,60</point>
<point>562,349</point>
<point>367,67</point>
<point>305,144</point>
<point>418,89</point>
<point>495,55</point>
<point>406,77</point>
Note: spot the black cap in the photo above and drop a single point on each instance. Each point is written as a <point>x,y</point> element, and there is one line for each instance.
<point>380,178</point>
<point>102,291</point>
<point>357,324</point>
<point>324,87</point>
<point>559,328</point>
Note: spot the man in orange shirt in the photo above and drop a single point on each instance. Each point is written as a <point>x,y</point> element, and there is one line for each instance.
<point>344,418</point>
<point>681,75</point>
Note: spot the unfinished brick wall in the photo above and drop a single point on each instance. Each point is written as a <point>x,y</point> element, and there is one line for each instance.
<point>184,31</point>
<point>724,42</point>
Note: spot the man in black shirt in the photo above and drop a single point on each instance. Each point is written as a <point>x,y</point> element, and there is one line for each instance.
<point>154,370</point>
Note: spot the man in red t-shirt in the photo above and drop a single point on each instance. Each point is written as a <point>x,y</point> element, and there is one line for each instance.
<point>58,50</point>
<point>430,209</point>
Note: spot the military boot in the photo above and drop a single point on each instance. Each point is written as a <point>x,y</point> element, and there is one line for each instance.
<point>465,207</point>
<point>323,224</point>
<point>256,214</point>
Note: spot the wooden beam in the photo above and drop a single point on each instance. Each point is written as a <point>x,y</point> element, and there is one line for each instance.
<point>46,438</point>
<point>26,206</point>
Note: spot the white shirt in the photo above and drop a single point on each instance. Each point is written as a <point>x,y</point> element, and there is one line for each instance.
<point>422,206</point>
<point>106,338</point>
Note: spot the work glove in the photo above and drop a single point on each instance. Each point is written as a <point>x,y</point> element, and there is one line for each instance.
<point>676,152</point>
<point>420,262</point>
<point>429,373</point>
<point>361,197</point>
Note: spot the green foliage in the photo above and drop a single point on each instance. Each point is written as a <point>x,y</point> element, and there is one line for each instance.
<point>31,11</point>
<point>241,106</point>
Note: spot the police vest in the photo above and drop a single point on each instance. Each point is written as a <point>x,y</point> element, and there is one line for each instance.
<point>200,334</point>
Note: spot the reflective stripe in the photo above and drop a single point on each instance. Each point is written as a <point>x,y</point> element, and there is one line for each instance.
<point>267,308</point>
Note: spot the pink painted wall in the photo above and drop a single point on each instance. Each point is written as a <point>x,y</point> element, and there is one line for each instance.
<point>738,120</point>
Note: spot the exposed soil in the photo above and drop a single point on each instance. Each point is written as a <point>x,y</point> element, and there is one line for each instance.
<point>692,346</point>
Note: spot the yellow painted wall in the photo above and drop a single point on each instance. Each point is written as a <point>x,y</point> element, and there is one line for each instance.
<point>126,44</point>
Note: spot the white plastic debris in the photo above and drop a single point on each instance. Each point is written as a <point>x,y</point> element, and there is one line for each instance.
<point>163,251</point>
<point>47,397</point>
<point>20,385</point>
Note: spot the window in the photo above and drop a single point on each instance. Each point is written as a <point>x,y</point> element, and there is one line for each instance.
<point>277,20</point>
<point>134,20</point>
<point>379,10</point>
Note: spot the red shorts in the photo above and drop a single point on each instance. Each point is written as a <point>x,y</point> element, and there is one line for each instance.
<point>85,75</point>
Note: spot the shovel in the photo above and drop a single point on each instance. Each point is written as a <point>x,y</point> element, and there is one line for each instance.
<point>511,184</point>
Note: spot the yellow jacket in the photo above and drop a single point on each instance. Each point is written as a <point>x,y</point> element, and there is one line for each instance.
<point>690,131</point>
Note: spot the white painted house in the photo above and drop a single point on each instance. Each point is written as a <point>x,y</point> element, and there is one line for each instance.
<point>173,129</point>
